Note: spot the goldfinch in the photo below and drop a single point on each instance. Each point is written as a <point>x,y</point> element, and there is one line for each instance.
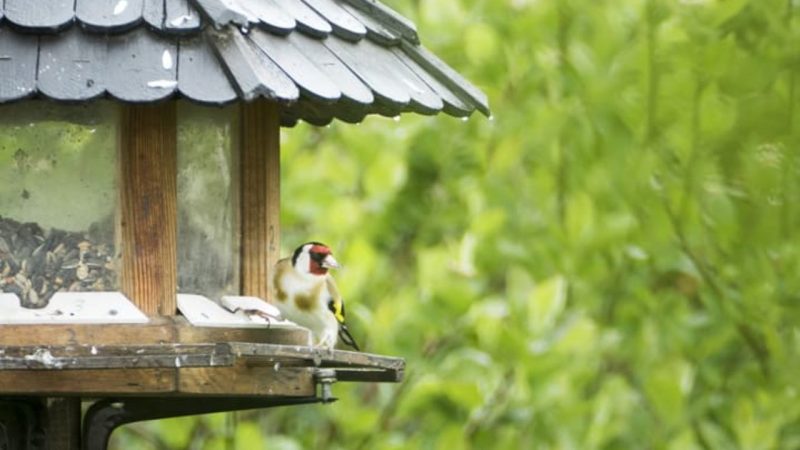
<point>306,294</point>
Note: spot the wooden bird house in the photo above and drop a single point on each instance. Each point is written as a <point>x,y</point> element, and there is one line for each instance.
<point>140,172</point>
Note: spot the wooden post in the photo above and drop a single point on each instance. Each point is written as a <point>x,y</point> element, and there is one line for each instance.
<point>260,195</point>
<point>148,216</point>
<point>63,423</point>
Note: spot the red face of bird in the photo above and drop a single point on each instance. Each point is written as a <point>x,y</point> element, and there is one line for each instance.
<point>314,258</point>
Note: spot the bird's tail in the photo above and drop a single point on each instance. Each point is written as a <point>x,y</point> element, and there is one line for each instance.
<point>346,337</point>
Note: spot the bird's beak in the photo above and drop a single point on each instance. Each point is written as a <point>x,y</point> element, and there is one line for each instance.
<point>330,263</point>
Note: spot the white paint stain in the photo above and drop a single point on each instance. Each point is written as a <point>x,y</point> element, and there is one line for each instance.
<point>120,7</point>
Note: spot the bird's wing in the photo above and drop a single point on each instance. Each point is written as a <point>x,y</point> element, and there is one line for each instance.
<point>282,266</point>
<point>337,308</point>
<point>337,304</point>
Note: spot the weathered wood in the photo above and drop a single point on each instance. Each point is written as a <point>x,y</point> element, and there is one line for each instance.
<point>87,382</point>
<point>148,206</point>
<point>142,66</point>
<point>116,15</point>
<point>221,13</point>
<point>247,380</point>
<point>18,55</point>
<point>201,77</point>
<point>352,88</point>
<point>379,78</point>
<point>63,423</point>
<point>174,16</point>
<point>270,15</point>
<point>153,333</point>
<point>255,74</point>
<point>285,336</point>
<point>153,13</point>
<point>160,330</point>
<point>72,65</point>
<point>43,15</point>
<point>308,21</point>
<point>376,30</point>
<point>115,357</point>
<point>269,353</point>
<point>181,17</point>
<point>260,195</point>
<point>344,25</point>
<point>312,82</point>
<point>453,104</point>
<point>423,99</point>
<point>449,77</point>
<point>223,368</point>
<point>387,17</point>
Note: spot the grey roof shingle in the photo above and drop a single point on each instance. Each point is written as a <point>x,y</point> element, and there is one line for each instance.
<point>321,59</point>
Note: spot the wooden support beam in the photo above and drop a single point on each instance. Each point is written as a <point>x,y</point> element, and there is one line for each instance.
<point>148,206</point>
<point>260,195</point>
<point>63,423</point>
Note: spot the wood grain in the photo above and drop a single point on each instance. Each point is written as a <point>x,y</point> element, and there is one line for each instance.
<point>148,166</point>
<point>159,331</point>
<point>285,336</point>
<point>246,380</point>
<point>260,195</point>
<point>87,382</point>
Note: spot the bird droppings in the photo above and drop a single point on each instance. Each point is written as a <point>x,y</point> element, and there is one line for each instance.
<point>120,7</point>
<point>44,357</point>
<point>166,60</point>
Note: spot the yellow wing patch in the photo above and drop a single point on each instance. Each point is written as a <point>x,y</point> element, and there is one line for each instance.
<point>336,306</point>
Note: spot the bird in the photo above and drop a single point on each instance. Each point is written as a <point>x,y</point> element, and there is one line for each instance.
<point>306,294</point>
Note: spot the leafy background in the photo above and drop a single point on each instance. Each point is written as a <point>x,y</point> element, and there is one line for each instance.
<point>610,262</point>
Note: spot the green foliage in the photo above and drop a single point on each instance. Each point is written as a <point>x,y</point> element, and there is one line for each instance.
<point>609,263</point>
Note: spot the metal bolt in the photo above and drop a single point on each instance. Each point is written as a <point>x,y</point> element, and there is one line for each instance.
<point>325,378</point>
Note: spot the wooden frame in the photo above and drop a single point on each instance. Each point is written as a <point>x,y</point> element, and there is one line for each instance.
<point>148,190</point>
<point>260,195</point>
<point>149,206</point>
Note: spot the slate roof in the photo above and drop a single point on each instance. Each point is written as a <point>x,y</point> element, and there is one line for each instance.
<point>320,58</point>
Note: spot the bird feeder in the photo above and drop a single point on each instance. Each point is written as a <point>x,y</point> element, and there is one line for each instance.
<point>139,159</point>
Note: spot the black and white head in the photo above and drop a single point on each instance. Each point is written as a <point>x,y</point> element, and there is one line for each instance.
<point>313,258</point>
